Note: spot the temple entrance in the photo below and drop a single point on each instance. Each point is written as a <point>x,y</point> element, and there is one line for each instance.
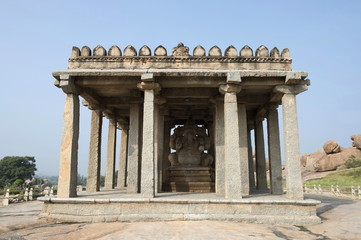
<point>191,165</point>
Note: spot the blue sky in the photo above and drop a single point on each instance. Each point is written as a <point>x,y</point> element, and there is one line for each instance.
<point>36,37</point>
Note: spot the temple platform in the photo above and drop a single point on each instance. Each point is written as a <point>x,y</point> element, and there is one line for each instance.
<point>117,205</point>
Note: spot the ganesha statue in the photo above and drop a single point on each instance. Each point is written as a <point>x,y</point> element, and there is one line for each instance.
<point>190,143</point>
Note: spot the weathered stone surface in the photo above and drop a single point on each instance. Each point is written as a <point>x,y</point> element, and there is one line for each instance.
<point>275,53</point>
<point>274,152</point>
<point>262,51</point>
<point>243,148</point>
<point>147,172</point>
<point>356,141</point>
<point>99,51</point>
<point>133,149</point>
<point>123,159</point>
<point>115,51</point>
<point>260,157</point>
<point>85,51</point>
<point>199,51</point>
<point>333,161</point>
<point>246,51</point>
<point>215,51</point>
<point>331,146</point>
<point>68,172</point>
<point>160,51</point>
<point>130,51</point>
<point>231,52</point>
<point>233,180</point>
<point>307,160</point>
<point>145,51</point>
<point>286,53</point>
<point>180,51</point>
<point>111,153</point>
<point>94,160</point>
<point>219,147</point>
<point>291,147</point>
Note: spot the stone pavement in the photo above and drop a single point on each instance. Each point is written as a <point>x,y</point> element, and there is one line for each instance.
<point>341,220</point>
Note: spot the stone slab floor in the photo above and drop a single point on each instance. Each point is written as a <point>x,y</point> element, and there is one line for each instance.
<point>341,219</point>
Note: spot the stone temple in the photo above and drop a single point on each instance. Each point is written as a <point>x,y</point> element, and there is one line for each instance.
<point>186,119</point>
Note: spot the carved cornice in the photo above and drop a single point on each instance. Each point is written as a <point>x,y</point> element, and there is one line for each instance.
<point>171,59</point>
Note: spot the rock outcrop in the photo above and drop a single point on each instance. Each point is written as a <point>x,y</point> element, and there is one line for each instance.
<point>331,146</point>
<point>356,141</point>
<point>332,157</point>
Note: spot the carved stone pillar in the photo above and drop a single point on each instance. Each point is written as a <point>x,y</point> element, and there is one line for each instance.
<point>111,152</point>
<point>292,148</point>
<point>94,161</point>
<point>219,147</point>
<point>274,151</point>
<point>147,188</point>
<point>133,180</point>
<point>261,173</point>
<point>233,179</point>
<point>123,158</point>
<point>291,142</point>
<point>158,145</point>
<point>68,171</point>
<point>243,147</point>
<point>252,182</point>
<point>166,150</point>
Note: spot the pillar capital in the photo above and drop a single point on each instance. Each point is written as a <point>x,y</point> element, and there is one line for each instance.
<point>67,84</point>
<point>291,89</point>
<point>148,83</point>
<point>230,88</point>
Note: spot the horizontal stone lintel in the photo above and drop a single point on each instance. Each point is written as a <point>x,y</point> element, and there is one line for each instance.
<point>178,72</point>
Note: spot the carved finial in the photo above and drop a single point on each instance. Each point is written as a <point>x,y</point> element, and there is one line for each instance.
<point>262,51</point>
<point>145,51</point>
<point>130,51</point>
<point>115,51</point>
<point>75,52</point>
<point>199,51</point>
<point>275,53</point>
<point>85,51</point>
<point>180,51</point>
<point>160,51</point>
<point>99,51</point>
<point>286,53</point>
<point>246,51</point>
<point>215,51</point>
<point>231,52</point>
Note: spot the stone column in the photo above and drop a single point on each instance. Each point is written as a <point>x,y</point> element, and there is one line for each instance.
<point>158,147</point>
<point>110,165</point>
<point>274,151</point>
<point>233,179</point>
<point>219,148</point>
<point>68,171</point>
<point>291,147</point>
<point>252,183</point>
<point>166,151</point>
<point>133,149</point>
<point>93,180</point>
<point>123,158</point>
<point>147,188</point>
<point>243,147</point>
<point>261,173</point>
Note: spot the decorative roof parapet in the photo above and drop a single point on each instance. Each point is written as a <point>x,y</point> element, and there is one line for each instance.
<point>130,58</point>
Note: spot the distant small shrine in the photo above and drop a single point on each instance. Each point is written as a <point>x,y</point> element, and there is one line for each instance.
<point>186,121</point>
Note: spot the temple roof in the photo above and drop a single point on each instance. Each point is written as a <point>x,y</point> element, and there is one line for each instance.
<point>180,58</point>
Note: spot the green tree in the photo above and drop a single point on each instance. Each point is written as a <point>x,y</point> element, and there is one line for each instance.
<point>15,167</point>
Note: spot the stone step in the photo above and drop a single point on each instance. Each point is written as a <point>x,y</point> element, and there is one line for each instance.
<point>191,186</point>
<point>189,172</point>
<point>192,178</point>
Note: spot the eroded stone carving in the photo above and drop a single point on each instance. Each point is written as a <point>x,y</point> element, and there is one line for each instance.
<point>180,51</point>
<point>190,142</point>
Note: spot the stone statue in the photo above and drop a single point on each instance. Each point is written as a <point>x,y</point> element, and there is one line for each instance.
<point>190,143</point>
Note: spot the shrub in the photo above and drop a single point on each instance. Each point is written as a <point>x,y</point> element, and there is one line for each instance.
<point>353,162</point>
